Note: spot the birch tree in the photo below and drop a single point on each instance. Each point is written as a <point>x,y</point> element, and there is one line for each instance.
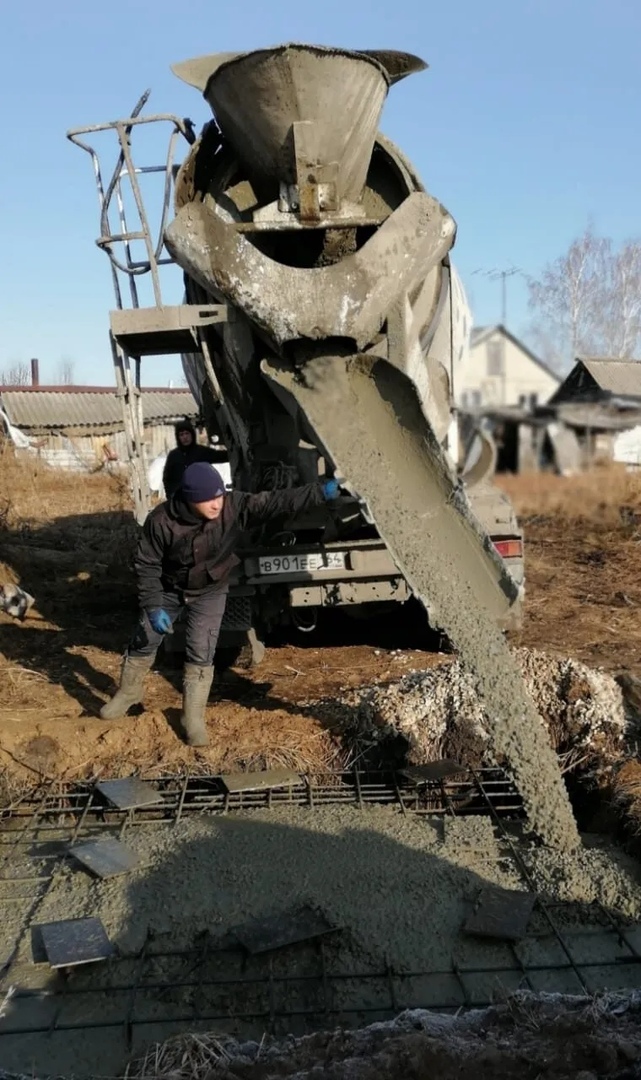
<point>588,301</point>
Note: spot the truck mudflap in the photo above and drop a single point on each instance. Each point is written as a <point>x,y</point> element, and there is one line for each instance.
<point>367,416</point>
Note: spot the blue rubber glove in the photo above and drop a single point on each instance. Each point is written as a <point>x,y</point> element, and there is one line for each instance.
<point>159,620</point>
<point>330,489</point>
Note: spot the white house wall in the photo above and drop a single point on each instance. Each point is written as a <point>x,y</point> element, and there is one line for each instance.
<point>525,382</point>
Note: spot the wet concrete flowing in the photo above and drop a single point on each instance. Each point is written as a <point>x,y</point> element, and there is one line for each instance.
<point>367,417</point>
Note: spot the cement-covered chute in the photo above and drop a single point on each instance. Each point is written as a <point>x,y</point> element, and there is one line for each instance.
<point>334,260</point>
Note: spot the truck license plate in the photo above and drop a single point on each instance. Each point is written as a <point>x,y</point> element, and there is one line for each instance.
<point>300,564</point>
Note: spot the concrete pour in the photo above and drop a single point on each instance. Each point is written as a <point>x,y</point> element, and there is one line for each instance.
<point>400,887</point>
<point>368,417</point>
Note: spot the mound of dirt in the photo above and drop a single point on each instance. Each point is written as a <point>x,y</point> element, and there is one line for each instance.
<point>439,713</point>
<point>529,1036</point>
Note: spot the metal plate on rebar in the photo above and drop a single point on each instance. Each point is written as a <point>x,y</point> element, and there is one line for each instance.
<point>277,931</point>
<point>128,794</point>
<point>501,913</point>
<point>259,781</point>
<point>75,941</point>
<point>106,857</point>
<point>432,771</point>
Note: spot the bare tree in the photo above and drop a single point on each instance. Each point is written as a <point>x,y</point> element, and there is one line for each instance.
<point>18,374</point>
<point>623,325</point>
<point>573,298</point>
<point>66,371</point>
<point>545,343</point>
<point>588,301</point>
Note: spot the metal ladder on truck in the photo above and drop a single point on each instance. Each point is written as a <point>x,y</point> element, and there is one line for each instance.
<point>136,255</point>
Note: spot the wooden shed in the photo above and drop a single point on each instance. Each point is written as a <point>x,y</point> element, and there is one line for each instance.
<point>80,428</point>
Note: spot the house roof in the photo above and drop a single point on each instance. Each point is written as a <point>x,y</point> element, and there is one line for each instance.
<point>614,376</point>
<point>47,407</point>
<point>480,333</point>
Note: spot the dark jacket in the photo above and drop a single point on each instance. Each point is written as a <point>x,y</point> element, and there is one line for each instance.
<point>180,551</point>
<point>178,459</point>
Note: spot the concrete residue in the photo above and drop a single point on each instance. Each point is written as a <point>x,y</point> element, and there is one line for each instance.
<point>598,873</point>
<point>367,416</point>
<point>440,714</point>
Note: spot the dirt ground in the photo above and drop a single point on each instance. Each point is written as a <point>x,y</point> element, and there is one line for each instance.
<point>583,564</point>
<point>68,540</point>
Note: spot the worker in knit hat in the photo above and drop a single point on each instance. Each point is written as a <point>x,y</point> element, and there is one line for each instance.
<point>184,559</point>
<point>186,452</point>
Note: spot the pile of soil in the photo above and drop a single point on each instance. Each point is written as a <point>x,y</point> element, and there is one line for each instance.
<point>438,712</point>
<point>526,1038</point>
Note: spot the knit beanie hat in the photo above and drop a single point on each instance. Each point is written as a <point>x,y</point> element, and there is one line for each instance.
<point>201,482</point>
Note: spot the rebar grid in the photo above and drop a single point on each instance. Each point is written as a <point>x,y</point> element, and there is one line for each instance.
<point>469,793</point>
<point>230,999</point>
<point>219,983</point>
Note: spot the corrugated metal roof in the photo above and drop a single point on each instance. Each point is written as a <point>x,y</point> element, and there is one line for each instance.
<point>615,376</point>
<point>44,409</point>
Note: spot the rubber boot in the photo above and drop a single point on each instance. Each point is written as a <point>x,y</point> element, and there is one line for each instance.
<point>130,691</point>
<point>197,682</point>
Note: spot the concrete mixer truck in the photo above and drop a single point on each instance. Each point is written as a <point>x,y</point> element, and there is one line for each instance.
<point>321,328</point>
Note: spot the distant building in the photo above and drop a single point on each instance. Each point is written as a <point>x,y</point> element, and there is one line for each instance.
<point>593,416</point>
<point>81,427</point>
<point>617,382</point>
<point>500,370</point>
<point>601,400</point>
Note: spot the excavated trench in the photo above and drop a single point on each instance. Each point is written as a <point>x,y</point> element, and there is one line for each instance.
<point>367,882</point>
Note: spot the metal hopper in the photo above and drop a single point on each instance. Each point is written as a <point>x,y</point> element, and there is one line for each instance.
<point>302,120</point>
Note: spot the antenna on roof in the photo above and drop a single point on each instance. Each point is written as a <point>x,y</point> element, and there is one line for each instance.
<point>494,275</point>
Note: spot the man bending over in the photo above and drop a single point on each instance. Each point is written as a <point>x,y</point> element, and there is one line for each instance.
<point>184,559</point>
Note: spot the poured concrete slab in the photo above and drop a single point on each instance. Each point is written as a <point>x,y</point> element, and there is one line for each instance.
<point>288,928</point>
<point>501,913</point>
<point>260,781</point>
<point>75,941</point>
<point>105,857</point>
<point>129,793</point>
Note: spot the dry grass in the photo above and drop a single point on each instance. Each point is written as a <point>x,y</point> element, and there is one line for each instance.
<point>598,496</point>
<point>185,1057</point>
<point>62,537</point>
<point>31,493</point>
<point>626,787</point>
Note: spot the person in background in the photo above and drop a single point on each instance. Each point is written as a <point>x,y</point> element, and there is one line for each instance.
<point>184,559</point>
<point>186,452</point>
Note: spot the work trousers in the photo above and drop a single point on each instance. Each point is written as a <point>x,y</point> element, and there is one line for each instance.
<point>205,613</point>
